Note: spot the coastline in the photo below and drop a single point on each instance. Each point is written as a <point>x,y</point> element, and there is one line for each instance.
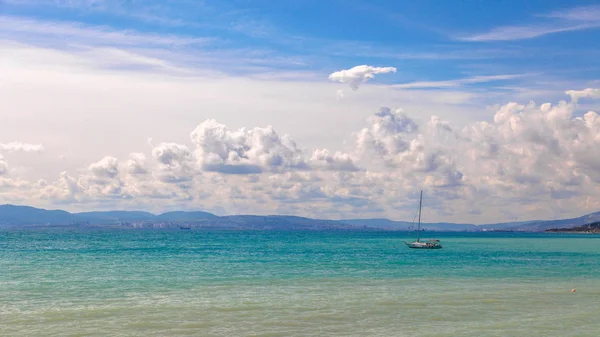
<point>572,232</point>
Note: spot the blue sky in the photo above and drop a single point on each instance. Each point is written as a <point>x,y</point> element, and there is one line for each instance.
<point>330,109</point>
<point>427,40</point>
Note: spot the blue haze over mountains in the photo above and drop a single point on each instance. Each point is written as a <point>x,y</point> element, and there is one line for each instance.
<point>12,215</point>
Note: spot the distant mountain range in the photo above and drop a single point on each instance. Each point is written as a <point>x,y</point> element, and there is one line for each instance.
<point>589,228</point>
<point>12,215</point>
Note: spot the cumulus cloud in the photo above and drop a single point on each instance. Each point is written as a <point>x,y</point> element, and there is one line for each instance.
<point>171,154</point>
<point>534,150</point>
<point>244,151</point>
<point>585,93</point>
<point>420,155</point>
<point>104,181</point>
<point>355,76</point>
<point>136,164</point>
<point>3,166</point>
<point>385,135</point>
<point>107,167</point>
<point>538,158</point>
<point>337,161</point>
<point>20,146</point>
<point>527,149</point>
<point>174,162</point>
<point>65,190</point>
<point>439,125</point>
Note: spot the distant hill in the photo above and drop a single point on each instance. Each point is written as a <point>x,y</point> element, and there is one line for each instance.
<point>282,222</point>
<point>540,226</point>
<point>25,215</point>
<point>587,228</point>
<point>113,216</point>
<point>405,225</point>
<point>11,215</point>
<point>184,216</point>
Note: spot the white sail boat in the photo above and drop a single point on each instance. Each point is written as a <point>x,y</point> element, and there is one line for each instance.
<point>427,244</point>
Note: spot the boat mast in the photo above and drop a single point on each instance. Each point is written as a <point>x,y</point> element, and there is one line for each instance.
<point>420,203</point>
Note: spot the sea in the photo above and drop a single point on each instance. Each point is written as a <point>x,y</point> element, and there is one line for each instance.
<point>127,282</point>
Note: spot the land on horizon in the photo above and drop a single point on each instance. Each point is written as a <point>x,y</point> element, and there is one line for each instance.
<point>14,216</point>
<point>587,228</point>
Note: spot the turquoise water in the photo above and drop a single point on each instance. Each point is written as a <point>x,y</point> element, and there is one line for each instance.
<point>82,282</point>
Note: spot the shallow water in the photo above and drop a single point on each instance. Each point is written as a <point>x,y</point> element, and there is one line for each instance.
<point>66,282</point>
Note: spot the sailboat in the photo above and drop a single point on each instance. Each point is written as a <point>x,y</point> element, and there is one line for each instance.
<point>427,244</point>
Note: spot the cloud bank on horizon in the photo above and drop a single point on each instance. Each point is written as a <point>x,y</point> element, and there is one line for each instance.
<point>533,154</point>
<point>247,129</point>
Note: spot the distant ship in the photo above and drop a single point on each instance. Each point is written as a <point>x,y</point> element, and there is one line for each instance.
<point>428,244</point>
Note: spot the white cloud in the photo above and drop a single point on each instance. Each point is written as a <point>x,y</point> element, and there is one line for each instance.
<point>583,13</point>
<point>113,50</point>
<point>528,153</point>
<point>136,164</point>
<point>171,154</point>
<point>396,141</point>
<point>75,32</point>
<point>530,159</point>
<point>244,150</point>
<point>107,167</point>
<point>385,137</point>
<point>20,146</point>
<point>458,82</point>
<point>64,191</point>
<point>174,162</point>
<point>359,74</point>
<point>585,93</point>
<point>69,85</point>
<point>535,150</point>
<point>3,166</point>
<point>578,18</point>
<point>438,124</point>
<point>510,33</point>
<point>337,161</point>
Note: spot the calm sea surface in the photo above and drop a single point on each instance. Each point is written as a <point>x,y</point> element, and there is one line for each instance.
<point>76,282</point>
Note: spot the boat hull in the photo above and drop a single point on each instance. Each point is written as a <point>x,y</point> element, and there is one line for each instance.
<point>424,245</point>
<point>436,247</point>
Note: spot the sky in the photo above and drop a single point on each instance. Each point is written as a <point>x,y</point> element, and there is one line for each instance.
<point>326,109</point>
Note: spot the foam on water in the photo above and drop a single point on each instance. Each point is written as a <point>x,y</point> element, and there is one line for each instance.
<point>199,283</point>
